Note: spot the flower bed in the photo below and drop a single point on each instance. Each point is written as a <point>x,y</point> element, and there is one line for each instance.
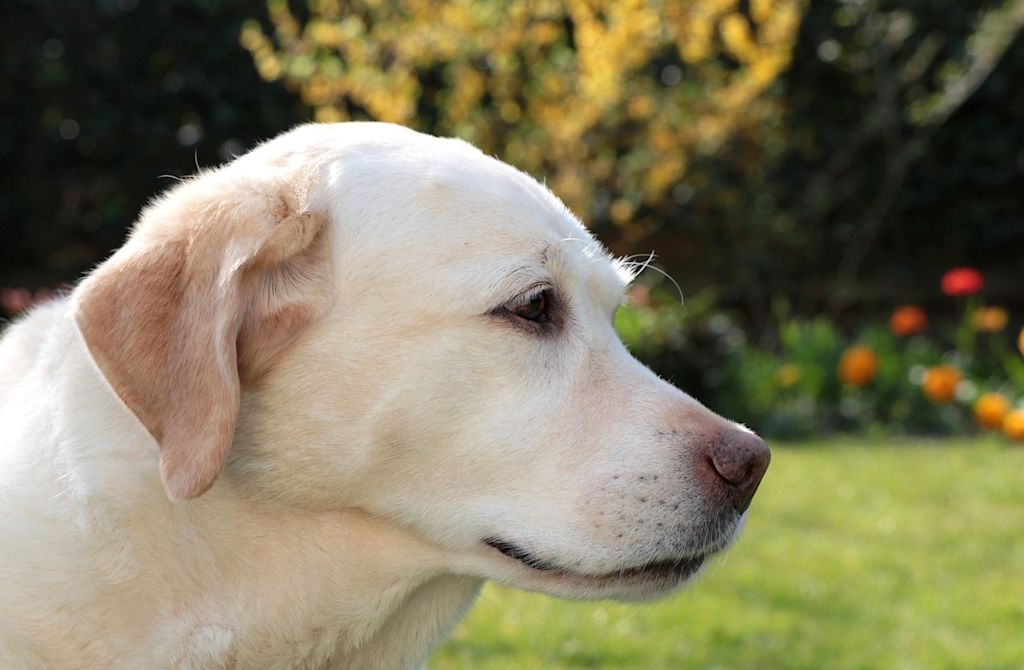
<point>906,373</point>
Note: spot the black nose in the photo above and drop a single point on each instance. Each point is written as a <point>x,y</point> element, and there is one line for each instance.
<point>739,459</point>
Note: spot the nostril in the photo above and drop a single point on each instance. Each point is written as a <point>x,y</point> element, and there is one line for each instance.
<point>741,459</point>
<point>731,466</point>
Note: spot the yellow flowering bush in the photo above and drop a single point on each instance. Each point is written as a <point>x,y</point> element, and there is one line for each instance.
<point>607,99</point>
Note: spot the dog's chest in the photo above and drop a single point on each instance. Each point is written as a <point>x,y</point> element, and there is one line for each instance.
<point>395,634</point>
<point>220,647</point>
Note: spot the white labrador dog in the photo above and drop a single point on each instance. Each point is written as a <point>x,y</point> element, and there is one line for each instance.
<point>320,395</point>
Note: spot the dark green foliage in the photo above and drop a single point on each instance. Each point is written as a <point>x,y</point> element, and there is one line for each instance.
<point>787,384</point>
<point>813,223</point>
<point>102,99</point>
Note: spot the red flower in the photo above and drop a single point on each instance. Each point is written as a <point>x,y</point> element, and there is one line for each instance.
<point>14,300</point>
<point>962,281</point>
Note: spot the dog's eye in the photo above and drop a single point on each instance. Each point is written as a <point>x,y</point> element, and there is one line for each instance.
<point>533,308</point>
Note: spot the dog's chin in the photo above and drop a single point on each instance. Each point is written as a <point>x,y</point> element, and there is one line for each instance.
<point>637,583</point>
<point>509,564</point>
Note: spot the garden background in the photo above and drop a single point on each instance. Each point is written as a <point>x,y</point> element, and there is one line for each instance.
<point>835,189</point>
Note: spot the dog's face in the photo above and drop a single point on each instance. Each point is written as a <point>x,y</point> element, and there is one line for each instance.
<point>458,373</point>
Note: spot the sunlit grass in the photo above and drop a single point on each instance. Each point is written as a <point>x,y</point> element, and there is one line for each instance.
<point>856,555</point>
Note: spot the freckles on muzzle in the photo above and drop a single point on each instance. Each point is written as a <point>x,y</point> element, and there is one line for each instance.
<point>693,505</point>
<point>651,516</point>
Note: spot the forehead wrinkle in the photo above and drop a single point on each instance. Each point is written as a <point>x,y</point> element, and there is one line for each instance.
<point>569,262</point>
<point>588,265</point>
<point>521,275</point>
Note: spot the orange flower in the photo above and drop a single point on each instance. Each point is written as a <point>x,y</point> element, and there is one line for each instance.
<point>1020,342</point>
<point>989,319</point>
<point>940,383</point>
<point>1013,425</point>
<point>991,409</point>
<point>858,366</point>
<point>908,320</point>
<point>962,281</point>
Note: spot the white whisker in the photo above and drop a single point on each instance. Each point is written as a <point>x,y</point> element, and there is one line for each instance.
<point>635,269</point>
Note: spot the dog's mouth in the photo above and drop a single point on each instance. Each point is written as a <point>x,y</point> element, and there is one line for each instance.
<point>676,570</point>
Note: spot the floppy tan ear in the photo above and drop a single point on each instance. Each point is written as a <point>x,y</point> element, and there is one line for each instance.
<point>216,279</point>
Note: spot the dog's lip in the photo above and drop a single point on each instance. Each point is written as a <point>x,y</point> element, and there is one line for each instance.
<point>675,568</point>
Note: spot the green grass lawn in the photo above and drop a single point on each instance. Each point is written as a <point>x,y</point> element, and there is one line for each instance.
<point>855,555</point>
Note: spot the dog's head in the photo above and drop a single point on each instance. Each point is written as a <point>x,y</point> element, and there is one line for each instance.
<point>357,315</point>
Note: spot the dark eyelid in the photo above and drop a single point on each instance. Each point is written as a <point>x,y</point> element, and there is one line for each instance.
<point>529,292</point>
<point>556,313</point>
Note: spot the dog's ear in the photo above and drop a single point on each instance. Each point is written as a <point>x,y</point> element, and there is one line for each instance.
<point>216,279</point>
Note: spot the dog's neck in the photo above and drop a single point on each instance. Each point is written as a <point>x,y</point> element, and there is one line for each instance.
<point>221,581</point>
<point>338,591</point>
<point>335,590</point>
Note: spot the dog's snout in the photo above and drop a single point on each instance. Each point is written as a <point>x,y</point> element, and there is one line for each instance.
<point>738,460</point>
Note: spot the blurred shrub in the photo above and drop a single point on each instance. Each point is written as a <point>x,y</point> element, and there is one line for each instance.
<point>607,100</point>
<point>809,377</point>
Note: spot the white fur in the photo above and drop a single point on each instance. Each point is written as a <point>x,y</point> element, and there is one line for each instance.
<point>370,461</point>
